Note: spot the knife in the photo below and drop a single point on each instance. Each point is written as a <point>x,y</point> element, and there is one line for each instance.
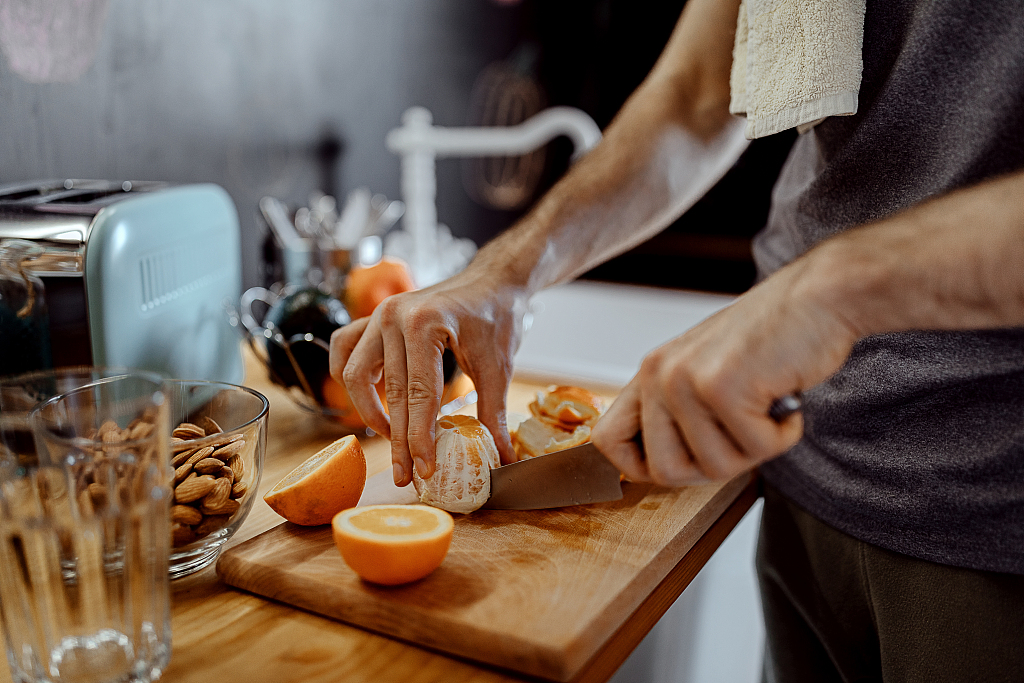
<point>575,476</point>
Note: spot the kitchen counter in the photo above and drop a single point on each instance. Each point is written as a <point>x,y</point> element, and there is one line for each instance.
<point>227,635</point>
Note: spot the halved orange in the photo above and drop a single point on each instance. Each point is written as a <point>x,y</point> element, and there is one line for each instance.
<point>393,544</point>
<point>322,486</point>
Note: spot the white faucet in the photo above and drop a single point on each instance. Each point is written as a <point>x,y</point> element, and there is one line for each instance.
<point>428,247</point>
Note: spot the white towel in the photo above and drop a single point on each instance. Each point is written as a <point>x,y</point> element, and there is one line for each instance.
<point>796,62</point>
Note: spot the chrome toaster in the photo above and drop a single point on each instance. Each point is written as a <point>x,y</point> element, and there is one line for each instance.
<point>136,274</point>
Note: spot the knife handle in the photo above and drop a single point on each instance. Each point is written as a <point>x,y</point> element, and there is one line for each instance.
<point>780,409</point>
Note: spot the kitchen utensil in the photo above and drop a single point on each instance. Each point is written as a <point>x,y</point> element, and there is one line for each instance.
<point>537,591</point>
<point>293,253</point>
<point>387,217</point>
<point>241,415</point>
<point>574,476</point>
<point>355,217</point>
<point>136,273</point>
<point>84,537</point>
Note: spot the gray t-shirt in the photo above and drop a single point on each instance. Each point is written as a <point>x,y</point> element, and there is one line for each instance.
<point>917,443</point>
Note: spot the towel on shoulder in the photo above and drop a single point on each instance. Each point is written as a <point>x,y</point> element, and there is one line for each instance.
<point>796,62</point>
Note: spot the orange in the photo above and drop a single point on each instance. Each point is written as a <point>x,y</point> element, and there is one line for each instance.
<point>367,286</point>
<point>325,484</point>
<point>336,398</point>
<point>393,544</point>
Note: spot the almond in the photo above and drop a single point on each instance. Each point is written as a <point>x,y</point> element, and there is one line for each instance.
<point>180,459</point>
<point>98,492</point>
<point>217,496</point>
<point>201,454</point>
<point>231,449</point>
<point>187,430</point>
<point>85,506</point>
<point>111,436</point>
<point>225,439</point>
<point>228,507</point>
<point>141,430</point>
<point>193,488</point>
<point>237,466</point>
<point>209,425</point>
<point>106,428</point>
<point>238,489</point>
<point>209,466</point>
<point>181,472</point>
<point>178,445</point>
<point>227,473</point>
<point>186,514</point>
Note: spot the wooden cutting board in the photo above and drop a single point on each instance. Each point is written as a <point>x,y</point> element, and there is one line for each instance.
<point>539,592</point>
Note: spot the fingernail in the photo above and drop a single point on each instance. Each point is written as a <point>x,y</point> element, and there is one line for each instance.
<point>421,467</point>
<point>399,472</point>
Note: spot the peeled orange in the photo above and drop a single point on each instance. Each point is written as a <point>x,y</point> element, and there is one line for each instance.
<point>465,455</point>
<point>393,544</point>
<point>325,484</point>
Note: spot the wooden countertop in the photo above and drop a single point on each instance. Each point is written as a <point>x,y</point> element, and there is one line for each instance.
<point>226,635</point>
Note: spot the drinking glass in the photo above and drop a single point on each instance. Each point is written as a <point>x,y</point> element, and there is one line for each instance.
<point>84,537</point>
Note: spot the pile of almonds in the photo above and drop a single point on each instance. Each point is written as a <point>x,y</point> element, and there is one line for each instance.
<point>107,473</point>
<point>208,482</point>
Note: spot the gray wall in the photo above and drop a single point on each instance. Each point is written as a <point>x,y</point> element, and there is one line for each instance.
<point>242,92</point>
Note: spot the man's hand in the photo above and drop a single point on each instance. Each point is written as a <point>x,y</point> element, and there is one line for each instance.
<point>672,140</point>
<point>701,401</point>
<point>479,320</point>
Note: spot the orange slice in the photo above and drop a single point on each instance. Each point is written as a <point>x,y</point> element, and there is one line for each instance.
<point>393,544</point>
<point>324,485</point>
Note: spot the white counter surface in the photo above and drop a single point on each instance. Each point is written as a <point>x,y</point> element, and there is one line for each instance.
<point>599,332</point>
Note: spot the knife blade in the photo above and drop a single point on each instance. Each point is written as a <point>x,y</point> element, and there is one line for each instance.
<point>575,476</point>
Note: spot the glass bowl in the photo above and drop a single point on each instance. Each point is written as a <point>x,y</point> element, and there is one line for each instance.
<point>218,442</point>
<point>19,396</point>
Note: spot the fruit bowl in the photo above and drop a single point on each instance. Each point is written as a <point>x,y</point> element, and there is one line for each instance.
<point>292,343</point>
<point>217,448</point>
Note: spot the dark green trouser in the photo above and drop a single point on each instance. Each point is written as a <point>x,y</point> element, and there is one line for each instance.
<point>838,609</point>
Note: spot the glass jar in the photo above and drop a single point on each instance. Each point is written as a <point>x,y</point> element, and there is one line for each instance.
<point>24,324</point>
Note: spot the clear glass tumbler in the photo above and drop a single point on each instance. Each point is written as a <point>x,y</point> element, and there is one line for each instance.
<point>84,537</point>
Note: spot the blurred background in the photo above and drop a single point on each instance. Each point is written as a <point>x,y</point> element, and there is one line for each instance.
<point>284,99</point>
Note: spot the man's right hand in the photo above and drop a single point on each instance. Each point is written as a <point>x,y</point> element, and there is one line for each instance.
<point>479,319</point>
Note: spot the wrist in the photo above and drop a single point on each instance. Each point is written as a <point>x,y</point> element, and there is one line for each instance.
<point>852,283</point>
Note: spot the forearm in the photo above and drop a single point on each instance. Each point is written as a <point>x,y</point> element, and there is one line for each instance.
<point>952,262</point>
<point>673,139</point>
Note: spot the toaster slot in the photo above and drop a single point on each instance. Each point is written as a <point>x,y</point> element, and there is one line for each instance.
<point>70,343</point>
<point>13,194</point>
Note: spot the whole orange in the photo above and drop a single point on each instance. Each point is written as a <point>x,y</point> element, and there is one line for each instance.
<point>336,398</point>
<point>325,484</point>
<point>367,286</point>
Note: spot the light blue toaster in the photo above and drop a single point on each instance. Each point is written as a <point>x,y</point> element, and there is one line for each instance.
<point>136,274</point>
